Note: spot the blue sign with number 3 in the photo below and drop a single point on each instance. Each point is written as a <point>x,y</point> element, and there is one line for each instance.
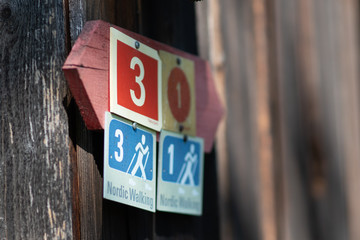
<point>131,151</point>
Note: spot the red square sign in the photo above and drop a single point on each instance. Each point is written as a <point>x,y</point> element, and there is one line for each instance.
<point>135,80</point>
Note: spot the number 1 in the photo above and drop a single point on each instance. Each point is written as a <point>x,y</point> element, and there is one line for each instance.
<point>178,88</point>
<point>171,164</point>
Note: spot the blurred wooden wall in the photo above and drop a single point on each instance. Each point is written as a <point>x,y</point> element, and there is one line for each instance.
<point>289,159</point>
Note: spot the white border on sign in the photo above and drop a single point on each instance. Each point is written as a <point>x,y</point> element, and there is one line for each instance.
<point>123,179</point>
<point>171,189</point>
<point>118,109</point>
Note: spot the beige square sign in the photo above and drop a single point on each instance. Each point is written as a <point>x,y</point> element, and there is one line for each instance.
<point>178,91</point>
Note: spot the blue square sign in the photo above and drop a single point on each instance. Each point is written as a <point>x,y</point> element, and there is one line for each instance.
<point>129,150</point>
<point>129,163</point>
<point>180,161</point>
<point>180,174</point>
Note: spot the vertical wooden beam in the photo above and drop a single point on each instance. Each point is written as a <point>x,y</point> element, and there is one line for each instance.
<point>88,148</point>
<point>35,185</point>
<point>349,111</point>
<point>87,181</point>
<point>318,55</point>
<point>249,89</point>
<point>97,218</point>
<point>210,44</point>
<point>263,123</point>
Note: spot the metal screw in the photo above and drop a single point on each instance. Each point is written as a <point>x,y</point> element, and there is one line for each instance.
<point>134,125</point>
<point>181,128</point>
<point>178,61</point>
<point>137,45</point>
<point>185,138</point>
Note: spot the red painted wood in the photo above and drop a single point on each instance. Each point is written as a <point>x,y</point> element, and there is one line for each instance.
<point>86,70</point>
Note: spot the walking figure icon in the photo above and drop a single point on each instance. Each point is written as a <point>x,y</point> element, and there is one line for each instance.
<point>140,151</point>
<point>190,160</point>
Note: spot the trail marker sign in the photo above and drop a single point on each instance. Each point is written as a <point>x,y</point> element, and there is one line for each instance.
<point>87,70</point>
<point>135,80</point>
<point>180,174</point>
<point>129,163</point>
<point>178,91</point>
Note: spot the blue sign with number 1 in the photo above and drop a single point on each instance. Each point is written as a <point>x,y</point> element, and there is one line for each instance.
<point>181,161</point>
<point>131,151</point>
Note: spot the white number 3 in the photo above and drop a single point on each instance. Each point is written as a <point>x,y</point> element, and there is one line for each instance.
<point>138,101</point>
<point>119,156</point>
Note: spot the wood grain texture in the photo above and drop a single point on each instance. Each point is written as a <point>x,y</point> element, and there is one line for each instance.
<point>87,159</point>
<point>318,51</point>
<point>211,47</point>
<point>35,186</point>
<point>87,67</point>
<point>90,185</point>
<point>249,133</point>
<point>293,117</point>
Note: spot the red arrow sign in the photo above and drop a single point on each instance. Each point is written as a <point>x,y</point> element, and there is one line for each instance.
<point>87,69</point>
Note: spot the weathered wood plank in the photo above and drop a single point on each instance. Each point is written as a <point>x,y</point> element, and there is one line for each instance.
<point>249,133</point>
<point>35,186</point>
<point>125,13</point>
<point>87,194</point>
<point>293,97</point>
<point>89,179</point>
<point>211,47</point>
<point>318,48</point>
<point>175,26</point>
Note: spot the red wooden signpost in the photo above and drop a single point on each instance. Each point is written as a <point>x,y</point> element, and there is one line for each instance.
<point>87,72</point>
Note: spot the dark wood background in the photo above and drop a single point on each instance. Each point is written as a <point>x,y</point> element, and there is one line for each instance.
<point>287,156</point>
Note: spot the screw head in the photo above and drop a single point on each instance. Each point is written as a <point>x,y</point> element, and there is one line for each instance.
<point>137,45</point>
<point>178,61</point>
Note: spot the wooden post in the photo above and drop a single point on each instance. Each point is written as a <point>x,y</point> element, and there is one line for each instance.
<point>35,167</point>
<point>292,134</point>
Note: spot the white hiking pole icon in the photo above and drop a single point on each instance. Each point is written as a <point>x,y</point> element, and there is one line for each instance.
<point>140,151</point>
<point>190,159</point>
